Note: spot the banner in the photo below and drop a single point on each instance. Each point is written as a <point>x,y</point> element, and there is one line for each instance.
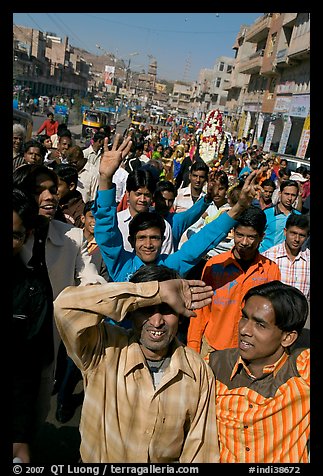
<point>304,140</point>
<point>108,75</point>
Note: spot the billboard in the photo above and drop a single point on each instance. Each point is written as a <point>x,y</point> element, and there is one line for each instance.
<point>108,75</point>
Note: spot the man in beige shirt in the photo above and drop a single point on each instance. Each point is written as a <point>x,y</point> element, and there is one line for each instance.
<point>148,398</point>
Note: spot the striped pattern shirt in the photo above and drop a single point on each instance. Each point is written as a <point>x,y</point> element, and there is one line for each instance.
<point>266,419</point>
<point>124,418</point>
<point>295,273</point>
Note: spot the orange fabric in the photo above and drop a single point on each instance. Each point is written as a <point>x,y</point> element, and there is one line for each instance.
<point>266,429</point>
<point>123,204</point>
<point>218,322</point>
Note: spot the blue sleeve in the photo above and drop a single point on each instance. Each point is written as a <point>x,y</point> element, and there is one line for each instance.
<point>199,244</point>
<point>181,221</point>
<point>107,233</point>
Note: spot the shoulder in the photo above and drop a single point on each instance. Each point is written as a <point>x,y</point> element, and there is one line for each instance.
<point>223,361</point>
<point>60,229</point>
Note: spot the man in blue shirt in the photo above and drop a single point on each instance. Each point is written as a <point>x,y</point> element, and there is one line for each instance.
<point>277,216</point>
<point>146,237</point>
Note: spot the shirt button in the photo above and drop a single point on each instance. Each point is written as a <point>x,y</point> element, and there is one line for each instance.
<point>250,406</point>
<point>245,426</point>
<point>247,449</point>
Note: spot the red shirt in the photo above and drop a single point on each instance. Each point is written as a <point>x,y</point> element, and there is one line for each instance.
<point>49,127</point>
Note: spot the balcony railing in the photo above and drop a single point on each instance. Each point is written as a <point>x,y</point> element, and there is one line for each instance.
<point>259,30</point>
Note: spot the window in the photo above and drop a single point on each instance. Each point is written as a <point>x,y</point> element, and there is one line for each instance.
<point>221,66</point>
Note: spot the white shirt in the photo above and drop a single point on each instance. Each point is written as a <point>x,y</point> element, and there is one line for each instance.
<point>92,157</point>
<point>183,200</point>
<point>120,180</point>
<point>88,182</point>
<point>124,218</point>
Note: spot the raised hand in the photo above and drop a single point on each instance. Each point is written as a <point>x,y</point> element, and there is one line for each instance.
<point>185,295</point>
<point>248,193</point>
<point>111,160</point>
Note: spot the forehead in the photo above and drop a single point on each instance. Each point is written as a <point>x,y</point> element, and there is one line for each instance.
<point>43,178</point>
<point>141,190</point>
<point>260,307</point>
<point>290,189</point>
<point>154,231</point>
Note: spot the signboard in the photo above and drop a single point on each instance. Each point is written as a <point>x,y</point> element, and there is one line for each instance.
<point>108,75</point>
<point>300,105</point>
<point>304,140</point>
<point>247,125</point>
<point>260,123</point>
<point>111,89</point>
<point>269,137</point>
<point>284,136</point>
<point>282,104</point>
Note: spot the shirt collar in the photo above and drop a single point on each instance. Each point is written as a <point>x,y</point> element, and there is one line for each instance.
<point>267,369</point>
<point>178,361</point>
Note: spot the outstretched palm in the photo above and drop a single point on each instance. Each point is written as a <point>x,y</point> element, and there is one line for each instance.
<point>111,159</point>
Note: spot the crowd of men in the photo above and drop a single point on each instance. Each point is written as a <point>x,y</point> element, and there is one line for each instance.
<point>177,290</point>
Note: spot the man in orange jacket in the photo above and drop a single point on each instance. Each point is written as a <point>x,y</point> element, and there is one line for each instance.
<point>231,274</point>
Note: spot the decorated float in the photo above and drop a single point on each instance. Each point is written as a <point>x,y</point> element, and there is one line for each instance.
<point>210,140</point>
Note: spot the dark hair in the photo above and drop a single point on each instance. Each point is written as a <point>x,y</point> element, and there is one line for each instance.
<point>34,143</point>
<point>64,133</point>
<point>26,207</point>
<point>288,183</point>
<point>140,178</point>
<point>98,136</point>
<point>145,220</point>
<point>289,304</point>
<point>153,272</point>
<point>88,207</point>
<point>42,137</point>
<point>164,186</point>
<point>67,173</point>
<point>301,221</point>
<point>284,171</point>
<point>268,183</point>
<point>200,166</point>
<point>253,216</point>
<point>253,161</point>
<point>61,128</point>
<point>222,177</point>
<point>24,177</point>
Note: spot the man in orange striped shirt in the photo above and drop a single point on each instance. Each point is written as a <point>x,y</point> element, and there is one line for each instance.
<point>263,387</point>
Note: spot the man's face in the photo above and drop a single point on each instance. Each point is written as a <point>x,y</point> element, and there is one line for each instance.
<point>288,197</point>
<point>218,192</point>
<point>64,144</point>
<point>33,156</point>
<point>46,196</point>
<point>259,337</point>
<point>17,142</point>
<point>63,189</point>
<point>295,237</point>
<point>140,200</point>
<point>164,202</point>
<point>155,327</point>
<point>197,179</point>
<point>148,244</point>
<point>267,193</point>
<point>88,221</point>
<point>246,242</point>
